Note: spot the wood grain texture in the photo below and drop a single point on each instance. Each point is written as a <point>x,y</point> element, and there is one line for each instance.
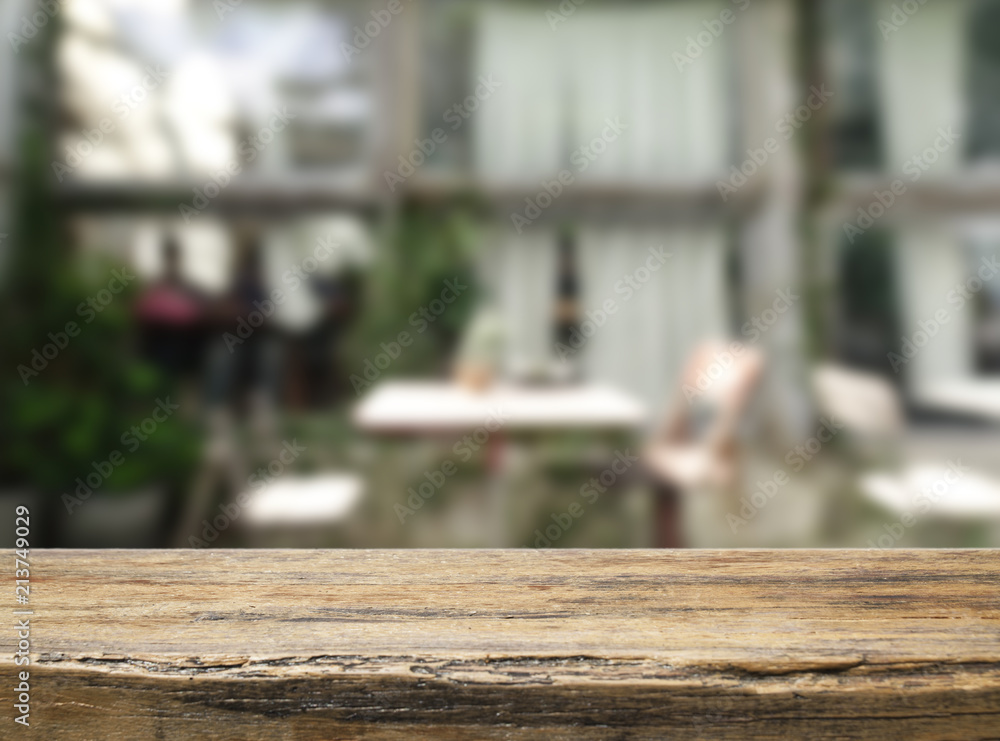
<point>511,645</point>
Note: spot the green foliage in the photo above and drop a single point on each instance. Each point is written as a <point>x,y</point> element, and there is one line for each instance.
<point>75,411</point>
<point>72,413</point>
<point>426,249</point>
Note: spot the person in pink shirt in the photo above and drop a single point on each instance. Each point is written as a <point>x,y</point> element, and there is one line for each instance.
<point>171,314</point>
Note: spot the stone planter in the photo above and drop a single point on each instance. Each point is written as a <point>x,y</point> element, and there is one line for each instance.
<point>120,520</point>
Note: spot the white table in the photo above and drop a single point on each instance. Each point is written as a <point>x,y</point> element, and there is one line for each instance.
<point>976,397</point>
<point>304,500</point>
<point>427,408</point>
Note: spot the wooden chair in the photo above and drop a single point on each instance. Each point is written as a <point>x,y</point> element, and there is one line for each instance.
<point>870,408</point>
<point>698,443</point>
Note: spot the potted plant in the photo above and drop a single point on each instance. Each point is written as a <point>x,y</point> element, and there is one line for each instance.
<point>93,430</point>
<point>68,398</point>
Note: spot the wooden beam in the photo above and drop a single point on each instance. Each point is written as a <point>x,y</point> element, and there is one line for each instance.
<point>523,644</point>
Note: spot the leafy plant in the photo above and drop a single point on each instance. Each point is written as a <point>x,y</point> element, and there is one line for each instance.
<point>426,249</point>
<point>65,414</point>
<point>75,412</point>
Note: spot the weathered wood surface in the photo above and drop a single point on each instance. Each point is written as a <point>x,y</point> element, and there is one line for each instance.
<point>511,645</point>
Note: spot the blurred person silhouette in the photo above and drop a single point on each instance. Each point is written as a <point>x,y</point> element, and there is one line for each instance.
<point>171,314</point>
<point>245,363</point>
<point>318,263</point>
<point>243,381</point>
<point>568,292</point>
<point>339,298</point>
<point>699,442</point>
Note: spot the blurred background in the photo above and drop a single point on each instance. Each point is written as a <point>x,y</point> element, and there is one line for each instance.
<point>442,273</point>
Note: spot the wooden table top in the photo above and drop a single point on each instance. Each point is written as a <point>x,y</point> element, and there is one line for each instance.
<point>511,644</point>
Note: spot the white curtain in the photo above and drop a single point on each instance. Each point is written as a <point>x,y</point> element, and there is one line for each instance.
<point>923,75</point>
<point>645,344</point>
<point>518,129</point>
<point>930,262</point>
<point>520,274</point>
<point>559,85</point>
<point>922,69</point>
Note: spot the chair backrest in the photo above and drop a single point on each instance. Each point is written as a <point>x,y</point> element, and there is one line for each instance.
<point>725,380</point>
<point>865,403</point>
